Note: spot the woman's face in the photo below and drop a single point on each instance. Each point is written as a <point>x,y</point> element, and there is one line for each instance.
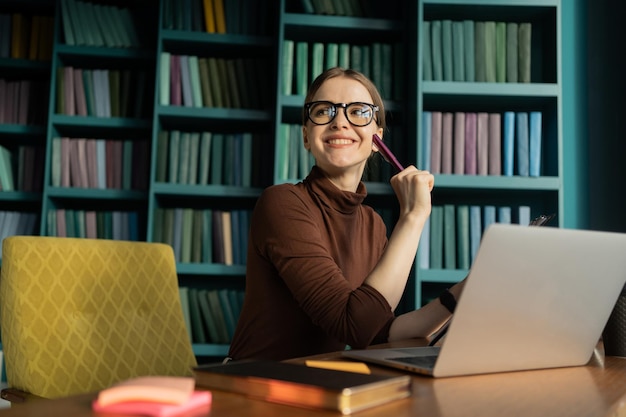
<point>339,146</point>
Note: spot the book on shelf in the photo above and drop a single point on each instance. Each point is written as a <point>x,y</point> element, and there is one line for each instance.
<point>508,143</point>
<point>436,237</point>
<point>436,128</point>
<point>471,147</point>
<point>458,51</point>
<point>534,145</point>
<point>447,125</point>
<point>436,42</point>
<point>524,52</point>
<point>207,318</point>
<point>447,53</point>
<point>490,51</point>
<point>495,144</point>
<point>303,386</point>
<point>522,143</point>
<point>511,52</point>
<point>469,50</point>
<point>458,143</point>
<point>480,57</point>
<point>476,230</point>
<point>500,50</point>
<point>463,236</point>
<point>449,236</point>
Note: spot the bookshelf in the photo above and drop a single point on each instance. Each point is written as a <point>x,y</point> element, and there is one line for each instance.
<point>539,193</point>
<point>254,48</point>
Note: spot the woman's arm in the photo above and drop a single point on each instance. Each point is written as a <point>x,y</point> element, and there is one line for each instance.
<point>389,277</point>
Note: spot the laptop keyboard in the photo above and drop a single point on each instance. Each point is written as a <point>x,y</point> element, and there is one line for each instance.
<point>419,361</point>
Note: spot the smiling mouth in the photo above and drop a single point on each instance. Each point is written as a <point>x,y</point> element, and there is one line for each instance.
<point>339,142</point>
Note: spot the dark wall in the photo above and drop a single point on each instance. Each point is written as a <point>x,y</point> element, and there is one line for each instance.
<point>606,109</point>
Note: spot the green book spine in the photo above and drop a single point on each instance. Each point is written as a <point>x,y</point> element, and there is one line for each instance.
<point>490,52</point>
<point>480,65</point>
<point>194,150</point>
<point>317,59</point>
<point>217,158</point>
<point>449,236</point>
<point>446,50</point>
<point>195,313</point>
<point>127,164</point>
<point>501,52</point>
<point>302,68</point>
<point>174,147</point>
<point>427,62</point>
<point>511,52</point>
<point>164,79</point>
<point>436,237</point>
<point>463,236</point>
<point>287,67</point>
<point>436,49</point>
<point>205,83</point>
<point>344,55</point>
<point>458,52</point>
<point>523,58</point>
<point>162,156</point>
<point>207,316</point>
<point>196,88</point>
<point>331,58</point>
<point>186,235</point>
<point>204,158</point>
<point>196,239</point>
<point>183,292</point>
<point>468,48</point>
<point>207,236</point>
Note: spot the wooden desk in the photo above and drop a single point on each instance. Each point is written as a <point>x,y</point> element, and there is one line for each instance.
<point>595,390</point>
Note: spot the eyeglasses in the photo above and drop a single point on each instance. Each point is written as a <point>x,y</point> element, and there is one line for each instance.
<point>323,112</point>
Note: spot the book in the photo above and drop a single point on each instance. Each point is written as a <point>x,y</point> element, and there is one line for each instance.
<point>468,50</point>
<point>495,144</point>
<point>511,52</point>
<point>447,54</point>
<point>534,145</point>
<point>500,52</point>
<point>522,143</point>
<point>436,237</point>
<point>458,51</point>
<point>480,63</point>
<point>476,230</point>
<point>449,236</point>
<point>470,143</point>
<point>436,49</point>
<point>447,120</point>
<point>301,68</point>
<point>508,143</point>
<point>524,52</point>
<point>458,146</point>
<point>463,236</point>
<point>490,51</point>
<point>482,143</point>
<point>303,386</point>
<point>427,62</point>
<point>435,141</point>
<point>425,146</point>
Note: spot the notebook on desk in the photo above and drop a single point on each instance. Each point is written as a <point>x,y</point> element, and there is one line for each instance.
<point>536,297</point>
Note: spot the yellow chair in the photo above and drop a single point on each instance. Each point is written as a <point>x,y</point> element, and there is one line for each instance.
<point>78,315</point>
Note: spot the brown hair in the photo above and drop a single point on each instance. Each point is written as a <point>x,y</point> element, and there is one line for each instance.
<point>355,75</point>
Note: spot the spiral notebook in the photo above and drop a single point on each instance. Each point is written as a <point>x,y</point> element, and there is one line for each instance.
<point>536,297</point>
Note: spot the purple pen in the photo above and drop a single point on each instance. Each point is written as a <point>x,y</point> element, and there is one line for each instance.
<point>386,153</point>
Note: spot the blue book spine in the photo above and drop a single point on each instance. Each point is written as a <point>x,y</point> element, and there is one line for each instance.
<point>426,131</point>
<point>489,216</point>
<point>508,142</point>
<point>535,144</point>
<point>476,230</point>
<point>424,246</point>
<point>523,156</point>
<point>504,215</point>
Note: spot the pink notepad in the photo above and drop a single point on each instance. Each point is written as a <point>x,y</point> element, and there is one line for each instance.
<point>160,396</point>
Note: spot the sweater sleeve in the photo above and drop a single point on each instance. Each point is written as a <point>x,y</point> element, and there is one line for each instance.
<point>294,239</point>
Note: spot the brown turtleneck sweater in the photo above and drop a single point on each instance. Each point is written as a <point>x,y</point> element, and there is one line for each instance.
<point>311,247</point>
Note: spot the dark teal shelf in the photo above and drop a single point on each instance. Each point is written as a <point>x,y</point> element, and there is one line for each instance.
<point>95,194</point>
<point>20,196</point>
<point>184,190</point>
<point>442,275</point>
<point>103,52</point>
<point>210,350</point>
<point>210,269</point>
<point>18,132</point>
<point>487,182</point>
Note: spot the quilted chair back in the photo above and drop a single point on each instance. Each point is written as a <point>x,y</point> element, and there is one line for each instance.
<point>77,315</point>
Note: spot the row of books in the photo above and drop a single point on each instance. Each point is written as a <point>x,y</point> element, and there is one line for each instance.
<point>26,36</point>
<point>100,163</point>
<point>103,25</point>
<point>21,169</point>
<point>93,224</point>
<point>351,8</point>
<point>303,61</point>
<point>217,16</point>
<point>468,143</point>
<point>477,51</point>
<point>203,235</point>
<point>211,315</point>
<point>23,102</point>
<point>208,158</point>
<point>293,160</point>
<point>192,81</point>
<point>17,223</point>
<point>101,92</point>
<point>452,235</point>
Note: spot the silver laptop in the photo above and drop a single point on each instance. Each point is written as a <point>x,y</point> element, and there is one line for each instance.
<point>536,297</point>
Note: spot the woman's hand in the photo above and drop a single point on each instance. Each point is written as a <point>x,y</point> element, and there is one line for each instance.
<point>413,188</point>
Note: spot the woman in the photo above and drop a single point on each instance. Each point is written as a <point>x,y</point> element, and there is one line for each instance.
<point>321,273</point>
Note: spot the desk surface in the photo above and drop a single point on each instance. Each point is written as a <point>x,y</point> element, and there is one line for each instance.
<point>595,390</point>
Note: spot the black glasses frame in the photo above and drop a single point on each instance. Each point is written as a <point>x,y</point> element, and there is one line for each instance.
<point>345,106</point>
